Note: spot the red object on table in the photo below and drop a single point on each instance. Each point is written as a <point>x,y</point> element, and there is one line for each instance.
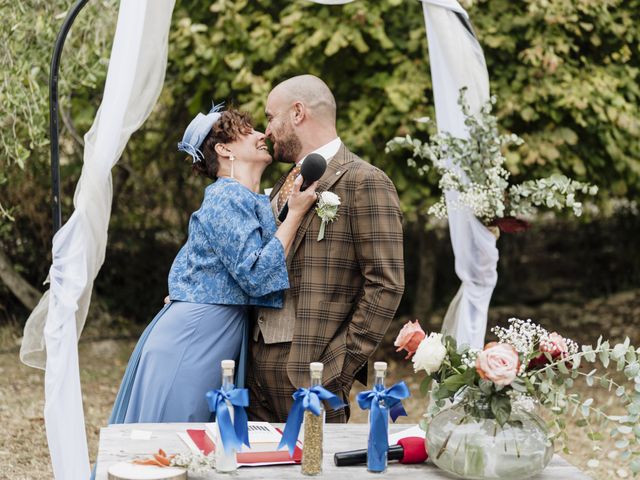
<point>414,450</point>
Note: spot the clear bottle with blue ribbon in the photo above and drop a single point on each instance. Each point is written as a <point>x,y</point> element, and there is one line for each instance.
<point>377,459</point>
<point>313,427</point>
<point>307,408</point>
<point>226,460</point>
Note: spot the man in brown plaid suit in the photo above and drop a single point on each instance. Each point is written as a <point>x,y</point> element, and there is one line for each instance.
<point>345,288</point>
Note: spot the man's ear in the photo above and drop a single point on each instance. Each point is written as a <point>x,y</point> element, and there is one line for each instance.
<point>299,112</point>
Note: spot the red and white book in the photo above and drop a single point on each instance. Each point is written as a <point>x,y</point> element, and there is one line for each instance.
<point>264,439</point>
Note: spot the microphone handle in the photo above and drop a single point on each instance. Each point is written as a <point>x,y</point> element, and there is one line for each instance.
<point>359,457</point>
<point>283,212</point>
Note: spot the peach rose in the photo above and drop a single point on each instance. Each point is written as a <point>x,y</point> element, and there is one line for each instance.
<point>409,338</point>
<point>499,363</point>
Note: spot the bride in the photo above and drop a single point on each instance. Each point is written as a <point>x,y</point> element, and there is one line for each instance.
<point>234,257</point>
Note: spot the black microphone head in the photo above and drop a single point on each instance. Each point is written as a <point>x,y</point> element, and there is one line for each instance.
<point>312,168</point>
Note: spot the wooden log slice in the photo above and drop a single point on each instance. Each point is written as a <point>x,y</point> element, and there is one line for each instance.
<point>130,471</point>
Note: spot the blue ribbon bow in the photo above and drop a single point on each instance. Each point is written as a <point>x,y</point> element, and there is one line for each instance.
<point>382,403</point>
<point>235,433</point>
<point>305,399</point>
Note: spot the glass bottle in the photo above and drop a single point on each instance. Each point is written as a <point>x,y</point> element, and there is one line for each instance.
<point>226,461</point>
<point>378,464</point>
<point>313,429</point>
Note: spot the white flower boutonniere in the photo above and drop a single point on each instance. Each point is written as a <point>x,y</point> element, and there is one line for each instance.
<point>327,210</point>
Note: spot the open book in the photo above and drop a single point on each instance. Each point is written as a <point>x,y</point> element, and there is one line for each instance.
<point>264,439</point>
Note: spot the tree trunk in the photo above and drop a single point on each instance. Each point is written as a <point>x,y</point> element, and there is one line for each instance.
<point>23,290</point>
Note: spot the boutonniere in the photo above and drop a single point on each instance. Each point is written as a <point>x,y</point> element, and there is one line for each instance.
<point>327,210</point>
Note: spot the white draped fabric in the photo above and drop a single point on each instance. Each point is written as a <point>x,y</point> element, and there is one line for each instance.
<point>134,81</point>
<point>457,61</point>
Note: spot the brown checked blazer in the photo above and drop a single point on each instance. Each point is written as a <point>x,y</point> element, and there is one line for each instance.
<point>346,288</point>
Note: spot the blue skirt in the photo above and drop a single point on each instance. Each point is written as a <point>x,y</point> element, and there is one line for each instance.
<point>177,361</point>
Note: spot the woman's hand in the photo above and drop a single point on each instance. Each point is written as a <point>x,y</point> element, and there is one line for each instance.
<point>301,202</point>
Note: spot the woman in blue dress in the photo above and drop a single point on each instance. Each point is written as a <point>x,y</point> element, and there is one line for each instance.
<point>234,258</point>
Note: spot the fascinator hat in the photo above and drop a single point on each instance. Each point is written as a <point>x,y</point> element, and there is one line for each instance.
<point>197,131</point>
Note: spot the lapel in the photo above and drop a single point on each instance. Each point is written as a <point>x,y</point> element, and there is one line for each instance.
<point>338,165</point>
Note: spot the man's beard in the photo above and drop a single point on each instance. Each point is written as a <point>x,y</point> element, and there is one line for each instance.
<point>288,148</point>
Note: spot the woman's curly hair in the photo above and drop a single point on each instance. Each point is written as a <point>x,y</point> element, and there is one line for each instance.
<point>229,127</point>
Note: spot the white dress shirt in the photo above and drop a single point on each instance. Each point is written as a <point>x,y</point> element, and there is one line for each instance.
<point>328,150</point>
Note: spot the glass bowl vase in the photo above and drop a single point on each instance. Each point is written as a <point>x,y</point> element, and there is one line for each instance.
<point>469,443</point>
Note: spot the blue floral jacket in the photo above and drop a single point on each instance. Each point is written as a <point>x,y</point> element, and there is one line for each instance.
<point>231,256</point>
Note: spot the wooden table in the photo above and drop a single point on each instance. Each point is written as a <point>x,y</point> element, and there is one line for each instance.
<point>116,446</point>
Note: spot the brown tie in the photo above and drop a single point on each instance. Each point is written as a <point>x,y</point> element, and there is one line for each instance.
<point>287,187</point>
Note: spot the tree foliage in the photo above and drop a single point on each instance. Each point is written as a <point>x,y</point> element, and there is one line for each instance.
<point>565,73</point>
<point>28,32</point>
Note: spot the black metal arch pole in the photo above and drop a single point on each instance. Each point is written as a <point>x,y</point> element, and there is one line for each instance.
<point>53,112</point>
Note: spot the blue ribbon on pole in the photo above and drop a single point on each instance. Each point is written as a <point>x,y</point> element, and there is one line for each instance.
<point>305,399</point>
<point>382,403</point>
<point>235,433</point>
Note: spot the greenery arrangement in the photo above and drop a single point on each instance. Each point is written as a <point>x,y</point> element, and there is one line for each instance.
<point>530,366</point>
<point>474,168</point>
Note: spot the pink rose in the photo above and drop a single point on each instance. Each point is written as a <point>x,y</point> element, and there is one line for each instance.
<point>555,345</point>
<point>499,363</point>
<point>409,338</point>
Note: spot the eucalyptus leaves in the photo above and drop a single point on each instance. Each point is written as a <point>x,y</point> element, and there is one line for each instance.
<point>621,379</point>
<point>474,168</point>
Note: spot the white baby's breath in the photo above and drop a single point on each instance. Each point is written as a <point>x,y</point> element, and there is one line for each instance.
<point>195,463</point>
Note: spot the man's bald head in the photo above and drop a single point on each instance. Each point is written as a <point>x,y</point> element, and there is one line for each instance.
<point>310,91</point>
<point>301,116</point>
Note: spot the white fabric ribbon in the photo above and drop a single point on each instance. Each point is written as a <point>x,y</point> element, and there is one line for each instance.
<point>457,61</point>
<point>134,81</point>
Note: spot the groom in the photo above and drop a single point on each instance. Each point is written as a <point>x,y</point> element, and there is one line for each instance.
<point>345,288</point>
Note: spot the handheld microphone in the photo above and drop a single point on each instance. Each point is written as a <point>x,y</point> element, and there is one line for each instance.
<point>312,169</point>
<point>408,450</point>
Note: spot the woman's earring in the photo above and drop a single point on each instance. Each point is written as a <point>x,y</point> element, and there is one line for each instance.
<point>232,158</point>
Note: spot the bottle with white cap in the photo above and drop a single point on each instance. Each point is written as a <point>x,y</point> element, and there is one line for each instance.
<point>313,429</point>
<point>377,465</point>
<point>226,461</point>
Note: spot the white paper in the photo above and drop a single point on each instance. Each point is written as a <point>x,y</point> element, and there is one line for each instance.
<point>140,434</point>
<point>414,431</point>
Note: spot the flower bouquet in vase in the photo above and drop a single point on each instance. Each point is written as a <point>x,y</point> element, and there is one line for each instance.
<point>483,419</point>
